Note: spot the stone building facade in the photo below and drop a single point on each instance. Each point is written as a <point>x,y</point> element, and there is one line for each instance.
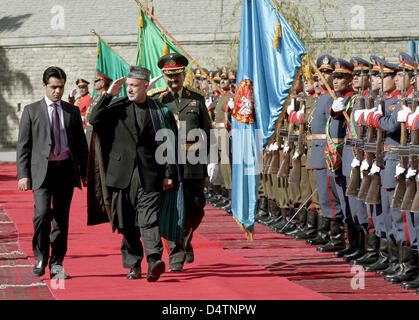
<point>37,34</point>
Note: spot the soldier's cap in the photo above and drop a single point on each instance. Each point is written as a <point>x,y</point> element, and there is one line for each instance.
<point>172,63</point>
<point>82,82</point>
<point>232,75</point>
<point>360,65</point>
<point>199,75</point>
<point>223,73</point>
<point>388,68</point>
<point>406,61</point>
<point>216,76</point>
<point>138,72</point>
<point>325,63</point>
<point>342,68</point>
<point>102,76</point>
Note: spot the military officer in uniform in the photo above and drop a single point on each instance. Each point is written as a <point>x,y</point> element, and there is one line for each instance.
<point>188,106</point>
<point>84,100</point>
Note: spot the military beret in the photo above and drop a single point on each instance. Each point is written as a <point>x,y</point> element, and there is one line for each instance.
<point>407,62</point>
<point>325,63</point>
<point>82,82</point>
<point>342,68</point>
<point>102,76</point>
<point>360,65</point>
<point>137,72</point>
<point>172,63</point>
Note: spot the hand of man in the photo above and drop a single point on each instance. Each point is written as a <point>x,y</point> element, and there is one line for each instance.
<point>24,184</point>
<point>301,111</point>
<point>357,114</point>
<point>167,184</point>
<point>116,87</point>
<point>73,93</point>
<point>338,105</point>
<point>212,169</point>
<point>231,104</point>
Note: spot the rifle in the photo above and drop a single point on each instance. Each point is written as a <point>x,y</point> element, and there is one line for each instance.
<point>295,173</point>
<point>272,167</point>
<point>354,183</point>
<point>400,190</point>
<point>373,195</point>
<point>366,178</point>
<point>411,199</point>
<point>285,163</point>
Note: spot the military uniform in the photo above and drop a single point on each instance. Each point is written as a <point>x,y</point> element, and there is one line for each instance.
<point>190,113</point>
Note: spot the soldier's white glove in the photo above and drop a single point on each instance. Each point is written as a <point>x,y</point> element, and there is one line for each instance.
<point>301,111</point>
<point>399,170</point>
<point>286,147</point>
<point>374,169</point>
<point>364,165</point>
<point>295,156</point>
<point>338,105</point>
<point>410,173</point>
<point>291,107</point>
<point>212,170</point>
<point>275,146</point>
<point>208,102</point>
<point>403,113</point>
<point>73,93</point>
<point>231,104</point>
<point>357,114</point>
<point>355,163</point>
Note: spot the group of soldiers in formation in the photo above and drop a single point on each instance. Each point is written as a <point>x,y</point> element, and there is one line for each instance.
<point>340,170</point>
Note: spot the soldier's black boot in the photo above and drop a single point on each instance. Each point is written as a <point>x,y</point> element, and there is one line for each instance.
<point>227,207</point>
<point>360,251</point>
<point>275,212</point>
<point>413,284</point>
<point>216,195</point>
<point>407,266</point>
<point>372,244</point>
<point>337,238</point>
<point>224,199</point>
<point>393,260</point>
<point>290,224</point>
<point>310,231</point>
<point>281,221</point>
<point>352,236</point>
<point>301,220</point>
<point>262,211</point>
<point>323,232</point>
<point>383,258</point>
<point>271,217</point>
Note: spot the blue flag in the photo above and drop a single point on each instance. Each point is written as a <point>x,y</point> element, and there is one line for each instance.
<point>270,57</point>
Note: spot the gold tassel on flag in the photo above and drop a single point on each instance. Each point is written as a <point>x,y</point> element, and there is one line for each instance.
<point>166,47</point>
<point>249,235</point>
<point>277,36</point>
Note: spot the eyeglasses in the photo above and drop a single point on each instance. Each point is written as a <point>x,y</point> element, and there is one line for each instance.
<point>82,87</point>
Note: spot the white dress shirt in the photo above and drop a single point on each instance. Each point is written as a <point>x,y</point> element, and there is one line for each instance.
<point>65,152</point>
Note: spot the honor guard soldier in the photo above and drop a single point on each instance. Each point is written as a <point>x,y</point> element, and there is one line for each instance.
<point>188,106</point>
<point>329,227</point>
<point>84,100</point>
<point>101,85</point>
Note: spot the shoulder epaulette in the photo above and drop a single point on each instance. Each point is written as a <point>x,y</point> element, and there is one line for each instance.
<point>152,92</point>
<point>202,93</point>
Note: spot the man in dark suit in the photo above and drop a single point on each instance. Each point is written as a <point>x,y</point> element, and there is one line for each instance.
<point>51,159</point>
<point>188,106</point>
<point>133,175</point>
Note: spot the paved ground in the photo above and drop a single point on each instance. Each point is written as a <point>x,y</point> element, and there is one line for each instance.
<point>7,155</point>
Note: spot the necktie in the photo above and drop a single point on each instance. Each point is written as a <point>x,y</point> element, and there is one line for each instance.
<point>56,141</point>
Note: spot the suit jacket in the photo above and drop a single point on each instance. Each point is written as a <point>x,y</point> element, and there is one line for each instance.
<point>123,146</point>
<point>34,143</point>
<point>194,114</point>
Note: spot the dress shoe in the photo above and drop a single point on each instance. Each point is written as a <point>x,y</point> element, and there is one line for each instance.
<point>57,272</point>
<point>134,273</point>
<point>155,269</point>
<point>39,268</point>
<point>189,256</point>
<point>176,267</point>
<point>410,285</point>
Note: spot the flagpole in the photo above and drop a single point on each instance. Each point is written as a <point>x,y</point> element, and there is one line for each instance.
<point>179,46</point>
<point>97,35</point>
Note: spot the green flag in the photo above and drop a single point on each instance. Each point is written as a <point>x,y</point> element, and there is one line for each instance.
<point>110,63</point>
<point>150,45</point>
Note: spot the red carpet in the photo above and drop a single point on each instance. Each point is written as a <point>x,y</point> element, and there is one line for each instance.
<point>94,261</point>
